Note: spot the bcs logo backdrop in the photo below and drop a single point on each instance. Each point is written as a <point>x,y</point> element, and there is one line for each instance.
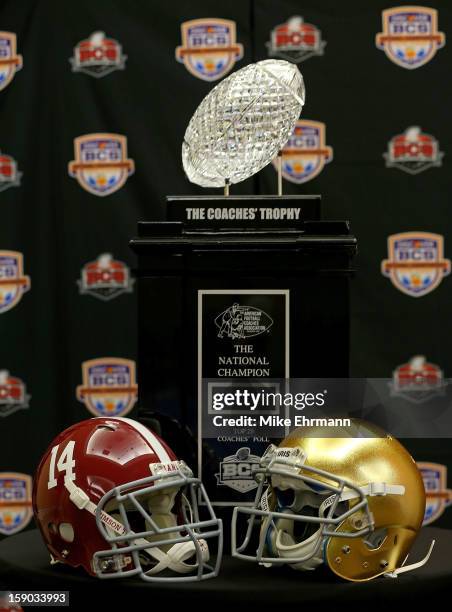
<point>209,48</point>
<point>15,502</point>
<point>416,263</point>
<point>413,151</point>
<point>13,394</point>
<point>305,154</point>
<point>101,165</point>
<point>105,278</point>
<point>9,174</point>
<point>10,62</point>
<point>295,40</point>
<point>108,386</point>
<point>97,56</point>
<point>410,36</point>
<point>13,282</point>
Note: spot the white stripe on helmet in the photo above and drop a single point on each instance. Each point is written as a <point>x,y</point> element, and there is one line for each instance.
<point>150,437</point>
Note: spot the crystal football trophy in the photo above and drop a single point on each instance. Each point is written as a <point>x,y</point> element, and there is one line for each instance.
<point>242,124</point>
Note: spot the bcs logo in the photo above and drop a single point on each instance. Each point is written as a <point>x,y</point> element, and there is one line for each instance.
<point>109,387</point>
<point>418,381</point>
<point>209,48</point>
<point>98,56</point>
<point>9,174</point>
<point>13,283</point>
<point>439,497</point>
<point>236,471</point>
<point>413,151</point>
<point>101,165</point>
<point>410,36</point>
<point>105,278</point>
<point>305,153</point>
<point>10,62</point>
<point>239,322</point>
<point>13,394</point>
<point>415,263</point>
<point>15,502</point>
<point>295,41</point>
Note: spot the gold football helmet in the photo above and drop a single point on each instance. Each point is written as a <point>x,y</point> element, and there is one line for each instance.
<point>354,502</point>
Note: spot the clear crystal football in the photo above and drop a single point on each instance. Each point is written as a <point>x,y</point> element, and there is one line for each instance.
<point>242,123</point>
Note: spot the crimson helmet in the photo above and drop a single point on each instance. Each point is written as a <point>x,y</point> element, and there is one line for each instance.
<point>109,495</point>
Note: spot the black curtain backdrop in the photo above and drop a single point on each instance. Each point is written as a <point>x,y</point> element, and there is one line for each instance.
<point>363,98</point>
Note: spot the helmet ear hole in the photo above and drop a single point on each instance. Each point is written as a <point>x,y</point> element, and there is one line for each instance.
<point>396,538</point>
<point>52,528</point>
<point>66,532</point>
<point>376,539</point>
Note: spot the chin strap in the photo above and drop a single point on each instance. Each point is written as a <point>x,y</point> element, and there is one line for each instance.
<point>174,559</point>
<point>408,568</point>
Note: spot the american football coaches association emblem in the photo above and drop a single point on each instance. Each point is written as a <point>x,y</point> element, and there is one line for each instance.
<point>209,48</point>
<point>98,56</point>
<point>415,263</point>
<point>105,278</point>
<point>109,386</point>
<point>439,497</point>
<point>101,165</point>
<point>239,322</point>
<point>15,502</point>
<point>10,62</point>
<point>410,36</point>
<point>13,282</point>
<point>9,174</point>
<point>418,380</point>
<point>295,40</point>
<point>413,151</point>
<point>305,153</point>
<point>13,394</point>
<point>236,471</point>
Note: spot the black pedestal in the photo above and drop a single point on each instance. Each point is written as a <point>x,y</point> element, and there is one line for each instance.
<point>213,300</point>
<point>312,263</point>
<point>236,290</point>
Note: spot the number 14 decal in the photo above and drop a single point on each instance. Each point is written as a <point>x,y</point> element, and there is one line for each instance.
<point>66,464</point>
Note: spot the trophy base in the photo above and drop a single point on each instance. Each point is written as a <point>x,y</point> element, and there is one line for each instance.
<point>256,211</point>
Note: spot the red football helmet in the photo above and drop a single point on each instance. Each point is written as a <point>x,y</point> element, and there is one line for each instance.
<point>110,496</point>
